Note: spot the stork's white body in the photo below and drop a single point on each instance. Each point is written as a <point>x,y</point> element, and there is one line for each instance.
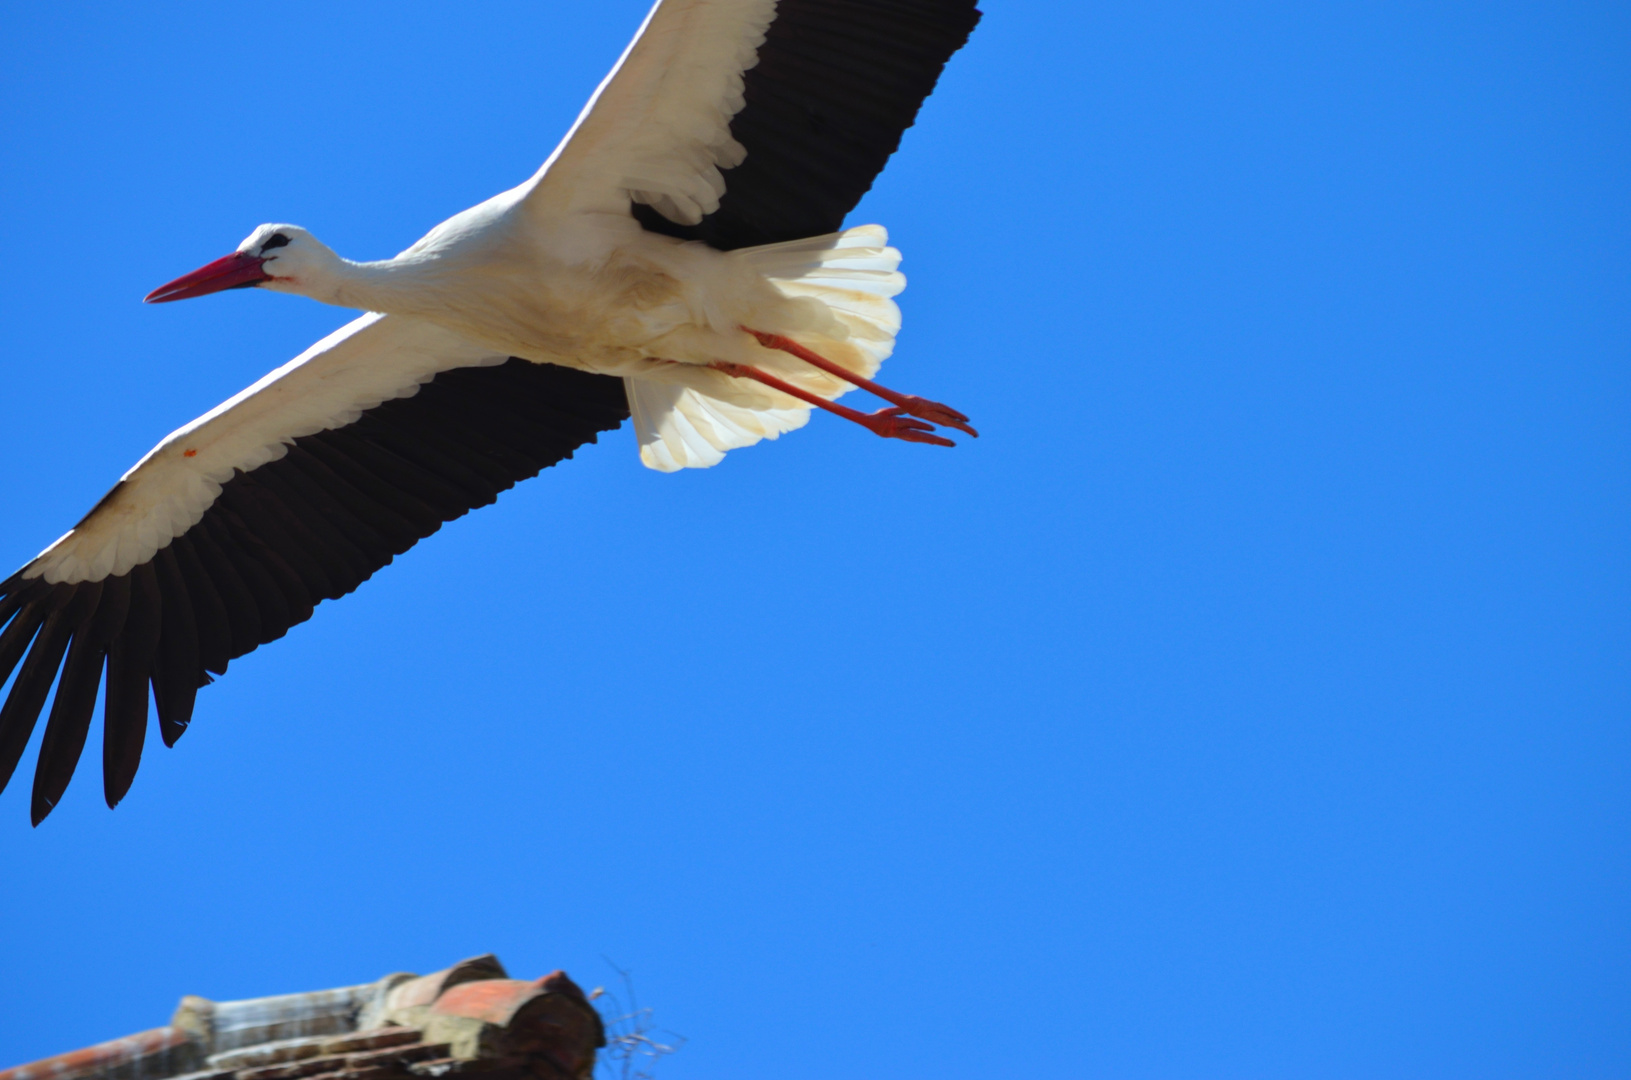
<point>598,293</point>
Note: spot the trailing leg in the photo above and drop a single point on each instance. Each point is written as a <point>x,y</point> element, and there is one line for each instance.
<point>888,423</point>
<point>932,411</point>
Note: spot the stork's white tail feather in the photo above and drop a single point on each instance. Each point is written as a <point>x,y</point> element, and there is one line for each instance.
<point>854,275</point>
<point>680,427</point>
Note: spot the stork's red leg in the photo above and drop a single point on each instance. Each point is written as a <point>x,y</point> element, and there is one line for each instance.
<point>923,408</point>
<point>888,423</point>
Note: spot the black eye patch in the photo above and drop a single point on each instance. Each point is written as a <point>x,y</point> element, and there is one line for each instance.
<point>276,240</point>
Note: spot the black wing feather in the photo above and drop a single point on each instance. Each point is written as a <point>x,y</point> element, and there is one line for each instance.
<point>130,669</point>
<point>75,702</point>
<point>243,617</point>
<point>39,671</point>
<point>209,610</point>
<point>178,667</point>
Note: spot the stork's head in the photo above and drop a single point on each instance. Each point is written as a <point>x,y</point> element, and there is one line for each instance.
<point>282,257</point>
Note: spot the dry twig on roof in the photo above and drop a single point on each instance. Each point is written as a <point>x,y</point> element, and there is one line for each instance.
<point>634,1044</point>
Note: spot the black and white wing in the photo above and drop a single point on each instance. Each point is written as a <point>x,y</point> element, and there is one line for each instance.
<point>232,529</point>
<point>746,122</point>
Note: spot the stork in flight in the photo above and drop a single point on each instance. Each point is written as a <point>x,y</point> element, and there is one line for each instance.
<point>679,258</point>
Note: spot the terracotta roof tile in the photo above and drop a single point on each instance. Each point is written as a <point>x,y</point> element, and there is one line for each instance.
<point>272,1053</point>
<point>291,1070</point>
<point>162,1051</point>
<point>207,1074</point>
<point>467,1019</point>
<point>425,989</point>
<point>372,1040</point>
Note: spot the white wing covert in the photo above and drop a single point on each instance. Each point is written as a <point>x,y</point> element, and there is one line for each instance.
<point>657,131</point>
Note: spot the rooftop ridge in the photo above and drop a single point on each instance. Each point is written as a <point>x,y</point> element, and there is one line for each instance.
<point>467,1018</point>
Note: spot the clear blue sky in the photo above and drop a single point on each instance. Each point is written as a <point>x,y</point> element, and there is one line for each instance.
<point>1250,701</point>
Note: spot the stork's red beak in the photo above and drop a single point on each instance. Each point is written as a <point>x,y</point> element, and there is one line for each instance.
<point>235,271</point>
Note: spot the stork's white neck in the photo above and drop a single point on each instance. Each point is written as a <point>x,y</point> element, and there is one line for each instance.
<point>403,285</point>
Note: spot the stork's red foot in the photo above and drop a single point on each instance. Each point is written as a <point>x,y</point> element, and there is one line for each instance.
<point>922,408</point>
<point>891,424</point>
<point>935,413</point>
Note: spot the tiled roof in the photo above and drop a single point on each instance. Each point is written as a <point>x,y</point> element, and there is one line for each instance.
<point>471,1018</point>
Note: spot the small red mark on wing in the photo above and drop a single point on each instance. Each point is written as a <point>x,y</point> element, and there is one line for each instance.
<point>189,453</point>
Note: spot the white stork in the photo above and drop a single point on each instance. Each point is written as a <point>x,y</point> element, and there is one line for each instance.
<point>678,258</point>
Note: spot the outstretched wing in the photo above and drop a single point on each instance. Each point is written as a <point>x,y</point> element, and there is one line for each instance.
<point>232,529</point>
<point>746,122</point>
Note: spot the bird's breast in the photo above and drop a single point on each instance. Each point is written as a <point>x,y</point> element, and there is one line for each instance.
<point>601,317</point>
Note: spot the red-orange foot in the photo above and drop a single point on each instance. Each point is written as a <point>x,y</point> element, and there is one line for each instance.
<point>935,413</point>
<point>922,408</point>
<point>890,424</point>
